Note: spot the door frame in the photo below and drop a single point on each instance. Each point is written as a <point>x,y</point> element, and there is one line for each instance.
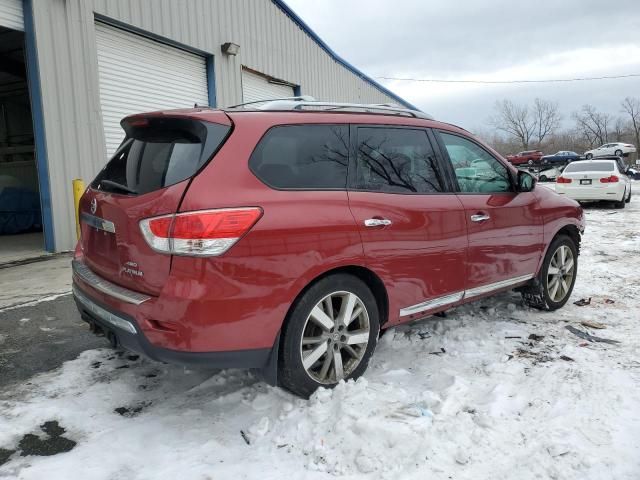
<point>34,86</point>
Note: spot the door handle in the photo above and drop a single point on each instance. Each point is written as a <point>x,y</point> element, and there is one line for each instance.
<point>377,222</point>
<point>480,217</point>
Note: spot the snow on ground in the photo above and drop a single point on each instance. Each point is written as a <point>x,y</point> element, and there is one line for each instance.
<point>469,396</point>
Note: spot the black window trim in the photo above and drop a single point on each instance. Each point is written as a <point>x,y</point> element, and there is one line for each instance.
<point>353,159</point>
<point>451,170</point>
<point>302,189</point>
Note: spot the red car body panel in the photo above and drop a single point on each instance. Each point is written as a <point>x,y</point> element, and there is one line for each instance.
<point>508,244</point>
<point>422,254</point>
<point>239,301</point>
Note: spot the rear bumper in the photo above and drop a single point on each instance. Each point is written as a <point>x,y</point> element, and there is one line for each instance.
<point>585,193</point>
<point>127,334</point>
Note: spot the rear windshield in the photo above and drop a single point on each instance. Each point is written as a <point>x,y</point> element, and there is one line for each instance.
<point>157,153</point>
<point>589,167</point>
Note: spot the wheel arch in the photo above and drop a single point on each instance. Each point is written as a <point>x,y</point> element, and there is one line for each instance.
<point>571,231</point>
<point>373,281</point>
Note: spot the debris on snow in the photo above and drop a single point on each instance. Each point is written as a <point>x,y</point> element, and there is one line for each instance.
<point>583,302</point>
<point>593,324</point>
<point>588,337</point>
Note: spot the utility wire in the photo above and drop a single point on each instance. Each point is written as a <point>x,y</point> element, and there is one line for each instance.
<point>556,80</point>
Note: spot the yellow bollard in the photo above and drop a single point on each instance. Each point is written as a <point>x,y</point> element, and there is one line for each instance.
<point>78,190</point>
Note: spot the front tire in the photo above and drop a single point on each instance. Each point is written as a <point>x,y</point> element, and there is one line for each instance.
<point>589,156</point>
<point>543,178</point>
<point>551,289</point>
<point>330,335</point>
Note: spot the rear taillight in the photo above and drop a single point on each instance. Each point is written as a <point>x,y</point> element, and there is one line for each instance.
<point>563,180</point>
<point>201,233</point>
<point>611,179</point>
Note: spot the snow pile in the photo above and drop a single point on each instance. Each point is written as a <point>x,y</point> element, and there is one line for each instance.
<point>493,391</point>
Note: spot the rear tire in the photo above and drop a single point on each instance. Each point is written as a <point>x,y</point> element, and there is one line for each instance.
<point>629,197</point>
<point>622,203</point>
<point>320,346</point>
<point>551,289</point>
<point>618,153</point>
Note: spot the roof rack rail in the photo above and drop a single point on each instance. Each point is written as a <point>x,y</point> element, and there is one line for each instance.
<point>305,98</point>
<point>299,103</point>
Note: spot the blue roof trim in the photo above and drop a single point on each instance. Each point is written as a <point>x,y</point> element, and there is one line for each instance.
<point>291,14</point>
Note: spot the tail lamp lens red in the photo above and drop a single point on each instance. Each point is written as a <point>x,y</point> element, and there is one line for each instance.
<point>611,179</point>
<point>563,180</point>
<point>201,233</point>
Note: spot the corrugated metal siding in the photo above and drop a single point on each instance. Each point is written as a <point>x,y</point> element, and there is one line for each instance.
<point>141,75</point>
<point>11,14</point>
<point>256,87</point>
<point>270,42</point>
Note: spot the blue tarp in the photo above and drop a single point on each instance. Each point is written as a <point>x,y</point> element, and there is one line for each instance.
<point>19,210</point>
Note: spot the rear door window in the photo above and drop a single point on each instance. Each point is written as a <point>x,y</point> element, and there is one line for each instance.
<point>303,157</point>
<point>396,160</point>
<point>158,153</point>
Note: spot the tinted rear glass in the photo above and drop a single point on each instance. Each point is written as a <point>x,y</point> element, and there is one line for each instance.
<point>589,167</point>
<point>158,153</point>
<point>303,156</point>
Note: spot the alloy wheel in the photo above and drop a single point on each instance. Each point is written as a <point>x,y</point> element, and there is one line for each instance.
<point>335,337</point>
<point>560,273</point>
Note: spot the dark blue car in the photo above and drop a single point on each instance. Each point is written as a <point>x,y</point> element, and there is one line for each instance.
<point>560,158</point>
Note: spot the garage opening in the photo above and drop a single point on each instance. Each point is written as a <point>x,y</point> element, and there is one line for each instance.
<point>256,87</point>
<point>21,235</point>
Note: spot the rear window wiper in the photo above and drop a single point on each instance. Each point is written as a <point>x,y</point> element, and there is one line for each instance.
<point>118,186</point>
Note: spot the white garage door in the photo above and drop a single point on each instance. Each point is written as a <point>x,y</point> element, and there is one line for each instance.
<point>141,75</point>
<point>11,14</point>
<point>256,87</point>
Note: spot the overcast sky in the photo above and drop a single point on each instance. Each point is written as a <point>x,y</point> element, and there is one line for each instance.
<point>486,40</point>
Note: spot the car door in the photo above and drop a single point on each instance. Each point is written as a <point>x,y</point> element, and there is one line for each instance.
<point>606,149</point>
<point>412,225</point>
<point>504,227</point>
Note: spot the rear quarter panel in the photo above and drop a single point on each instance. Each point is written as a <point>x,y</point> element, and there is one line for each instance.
<point>241,298</point>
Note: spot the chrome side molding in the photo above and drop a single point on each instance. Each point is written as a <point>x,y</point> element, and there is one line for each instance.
<point>474,292</point>
<point>431,304</point>
<point>457,296</point>
<point>85,274</point>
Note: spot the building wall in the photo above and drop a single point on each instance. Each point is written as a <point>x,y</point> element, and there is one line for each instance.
<point>270,42</point>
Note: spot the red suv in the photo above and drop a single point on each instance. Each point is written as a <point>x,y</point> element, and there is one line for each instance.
<point>286,238</point>
<point>529,157</point>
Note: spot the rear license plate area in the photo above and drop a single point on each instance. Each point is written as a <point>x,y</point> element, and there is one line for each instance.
<point>585,182</point>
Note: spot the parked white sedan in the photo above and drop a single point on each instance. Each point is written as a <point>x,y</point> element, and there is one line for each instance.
<point>618,149</point>
<point>595,180</point>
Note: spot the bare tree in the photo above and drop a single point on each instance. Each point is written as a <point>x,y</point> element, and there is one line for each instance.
<point>546,117</point>
<point>619,129</point>
<point>514,120</point>
<point>593,125</point>
<point>631,106</point>
<point>527,124</point>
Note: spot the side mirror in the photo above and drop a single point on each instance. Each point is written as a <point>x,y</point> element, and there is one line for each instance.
<point>526,182</point>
